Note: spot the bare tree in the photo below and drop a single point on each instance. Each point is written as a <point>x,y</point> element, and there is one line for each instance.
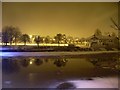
<point>9,34</point>
<point>116,26</point>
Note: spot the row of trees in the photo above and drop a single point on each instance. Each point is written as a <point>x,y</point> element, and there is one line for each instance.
<point>12,34</point>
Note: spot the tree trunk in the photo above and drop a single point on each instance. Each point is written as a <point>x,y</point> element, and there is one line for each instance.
<point>10,43</point>
<point>38,45</point>
<point>119,38</point>
<point>24,43</point>
<point>58,43</point>
<point>15,41</point>
<point>6,44</point>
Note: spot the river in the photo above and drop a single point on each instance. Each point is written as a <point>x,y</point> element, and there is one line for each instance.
<point>57,72</point>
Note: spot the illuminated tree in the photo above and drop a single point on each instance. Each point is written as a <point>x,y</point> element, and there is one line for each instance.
<point>37,40</point>
<point>25,38</point>
<point>70,40</point>
<point>58,38</point>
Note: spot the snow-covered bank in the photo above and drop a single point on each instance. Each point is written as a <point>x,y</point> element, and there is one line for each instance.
<point>45,54</point>
<point>106,82</point>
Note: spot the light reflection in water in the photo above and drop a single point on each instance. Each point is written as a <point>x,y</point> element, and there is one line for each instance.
<point>31,62</point>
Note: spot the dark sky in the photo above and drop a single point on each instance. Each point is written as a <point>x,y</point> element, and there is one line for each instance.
<point>73,19</point>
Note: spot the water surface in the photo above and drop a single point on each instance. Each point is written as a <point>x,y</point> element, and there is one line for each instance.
<point>37,72</point>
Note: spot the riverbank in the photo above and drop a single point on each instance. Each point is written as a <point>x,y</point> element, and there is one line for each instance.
<point>41,48</point>
<point>62,54</point>
<point>50,49</point>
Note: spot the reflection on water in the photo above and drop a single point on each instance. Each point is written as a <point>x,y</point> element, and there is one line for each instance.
<point>60,62</point>
<point>24,62</point>
<point>10,66</point>
<point>48,72</point>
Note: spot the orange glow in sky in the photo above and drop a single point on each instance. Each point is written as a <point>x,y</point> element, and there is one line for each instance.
<point>73,19</point>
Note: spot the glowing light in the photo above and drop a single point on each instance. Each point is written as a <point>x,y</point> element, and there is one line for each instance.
<point>31,62</point>
<point>42,44</point>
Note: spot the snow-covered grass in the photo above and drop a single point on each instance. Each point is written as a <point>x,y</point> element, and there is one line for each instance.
<point>105,82</point>
<point>54,53</point>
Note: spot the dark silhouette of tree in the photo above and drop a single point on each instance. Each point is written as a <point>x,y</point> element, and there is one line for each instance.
<point>17,35</point>
<point>25,38</point>
<point>58,38</point>
<point>10,33</point>
<point>47,39</point>
<point>38,62</point>
<point>37,40</point>
<point>116,26</point>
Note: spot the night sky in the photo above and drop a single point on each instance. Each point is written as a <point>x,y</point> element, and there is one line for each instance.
<point>73,19</point>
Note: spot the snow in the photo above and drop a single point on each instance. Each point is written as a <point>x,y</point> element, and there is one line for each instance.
<point>53,53</point>
<point>105,82</point>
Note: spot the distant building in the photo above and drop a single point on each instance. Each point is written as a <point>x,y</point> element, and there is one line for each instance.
<point>108,42</point>
<point>83,43</point>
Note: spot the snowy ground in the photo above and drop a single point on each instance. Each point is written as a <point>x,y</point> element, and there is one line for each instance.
<point>108,82</point>
<point>54,53</point>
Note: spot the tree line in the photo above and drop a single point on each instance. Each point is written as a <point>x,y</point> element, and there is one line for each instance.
<point>11,34</point>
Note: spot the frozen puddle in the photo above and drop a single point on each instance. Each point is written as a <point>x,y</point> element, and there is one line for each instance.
<point>95,83</point>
